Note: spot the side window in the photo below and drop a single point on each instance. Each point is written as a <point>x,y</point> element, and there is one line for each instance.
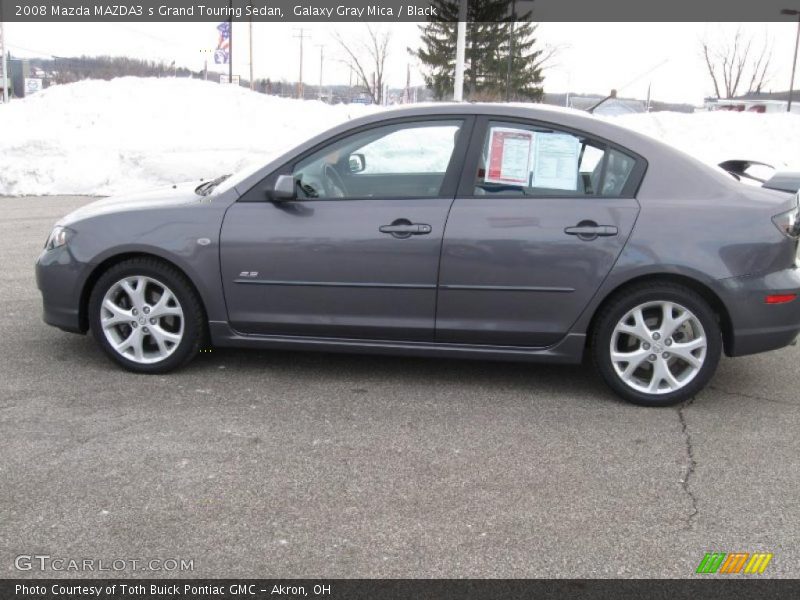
<point>541,162</point>
<point>405,160</point>
<point>618,170</point>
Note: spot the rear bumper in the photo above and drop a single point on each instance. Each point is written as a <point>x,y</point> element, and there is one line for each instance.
<point>755,325</point>
<point>58,278</point>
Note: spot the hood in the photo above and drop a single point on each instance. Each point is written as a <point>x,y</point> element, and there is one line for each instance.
<point>174,195</point>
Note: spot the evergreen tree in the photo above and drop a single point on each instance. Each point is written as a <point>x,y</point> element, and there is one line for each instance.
<point>489,31</point>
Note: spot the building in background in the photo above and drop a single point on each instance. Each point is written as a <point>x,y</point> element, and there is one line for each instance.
<point>611,107</point>
<point>759,103</point>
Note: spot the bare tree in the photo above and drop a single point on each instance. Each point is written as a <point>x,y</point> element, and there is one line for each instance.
<point>734,63</point>
<point>366,57</point>
<point>548,59</point>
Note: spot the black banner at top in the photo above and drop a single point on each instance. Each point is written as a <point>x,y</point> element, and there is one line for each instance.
<point>394,10</point>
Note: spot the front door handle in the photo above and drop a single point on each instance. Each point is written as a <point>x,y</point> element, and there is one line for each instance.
<point>589,230</point>
<point>402,228</point>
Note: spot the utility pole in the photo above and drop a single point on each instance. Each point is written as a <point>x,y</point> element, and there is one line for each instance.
<point>4,63</point>
<point>461,43</point>
<point>302,36</point>
<point>321,59</point>
<point>796,13</point>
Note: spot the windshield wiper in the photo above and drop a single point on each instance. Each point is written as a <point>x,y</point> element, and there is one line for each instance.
<point>204,189</point>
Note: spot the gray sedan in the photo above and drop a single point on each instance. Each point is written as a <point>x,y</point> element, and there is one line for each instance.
<point>476,231</point>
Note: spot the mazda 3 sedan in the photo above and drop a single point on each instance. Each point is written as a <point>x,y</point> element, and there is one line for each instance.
<point>504,232</point>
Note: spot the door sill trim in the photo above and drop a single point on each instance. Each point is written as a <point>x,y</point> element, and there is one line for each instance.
<point>569,350</point>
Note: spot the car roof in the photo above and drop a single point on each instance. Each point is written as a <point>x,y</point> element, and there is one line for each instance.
<point>544,112</point>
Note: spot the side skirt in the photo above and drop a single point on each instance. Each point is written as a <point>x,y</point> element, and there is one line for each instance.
<point>568,351</point>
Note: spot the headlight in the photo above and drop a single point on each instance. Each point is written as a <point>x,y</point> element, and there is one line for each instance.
<point>58,237</point>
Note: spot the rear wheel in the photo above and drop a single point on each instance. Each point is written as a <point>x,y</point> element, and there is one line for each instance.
<point>657,344</point>
<point>146,316</point>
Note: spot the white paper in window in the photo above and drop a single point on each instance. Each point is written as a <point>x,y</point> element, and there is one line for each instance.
<point>555,161</point>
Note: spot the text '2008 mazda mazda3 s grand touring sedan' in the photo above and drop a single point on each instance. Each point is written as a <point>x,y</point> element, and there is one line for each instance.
<point>477,231</point>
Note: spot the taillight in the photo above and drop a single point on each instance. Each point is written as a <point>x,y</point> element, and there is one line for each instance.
<point>779,298</point>
<point>789,222</point>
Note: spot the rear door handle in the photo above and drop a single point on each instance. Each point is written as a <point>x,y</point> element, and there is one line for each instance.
<point>590,231</point>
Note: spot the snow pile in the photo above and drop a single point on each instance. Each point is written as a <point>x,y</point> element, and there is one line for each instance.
<point>713,137</point>
<point>129,134</point>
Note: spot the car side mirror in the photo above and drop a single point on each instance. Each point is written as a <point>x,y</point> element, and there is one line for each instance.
<point>357,163</point>
<point>283,190</point>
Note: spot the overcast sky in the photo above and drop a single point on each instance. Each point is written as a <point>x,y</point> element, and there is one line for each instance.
<point>593,57</point>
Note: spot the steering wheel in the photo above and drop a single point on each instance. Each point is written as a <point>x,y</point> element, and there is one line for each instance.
<point>332,182</point>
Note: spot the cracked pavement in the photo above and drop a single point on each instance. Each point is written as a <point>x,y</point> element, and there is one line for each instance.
<point>691,463</point>
<point>279,464</point>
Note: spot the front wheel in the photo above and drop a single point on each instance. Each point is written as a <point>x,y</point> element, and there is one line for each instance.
<point>657,344</point>
<point>146,316</point>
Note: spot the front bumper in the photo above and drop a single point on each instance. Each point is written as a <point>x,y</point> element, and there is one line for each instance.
<point>755,325</point>
<point>59,278</point>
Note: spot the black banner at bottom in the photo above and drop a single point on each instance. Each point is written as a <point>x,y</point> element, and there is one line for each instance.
<point>395,589</point>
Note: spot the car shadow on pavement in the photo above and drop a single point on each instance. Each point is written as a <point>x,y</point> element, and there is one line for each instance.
<point>241,367</point>
<point>532,379</point>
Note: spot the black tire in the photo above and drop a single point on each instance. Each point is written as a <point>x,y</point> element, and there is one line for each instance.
<point>194,319</point>
<point>628,299</point>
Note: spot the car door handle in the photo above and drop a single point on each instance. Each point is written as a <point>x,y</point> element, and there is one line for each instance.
<point>406,229</point>
<point>587,231</point>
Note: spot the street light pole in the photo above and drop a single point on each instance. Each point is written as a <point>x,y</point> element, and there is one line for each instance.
<point>4,63</point>
<point>252,83</point>
<point>461,43</point>
<point>510,49</point>
<point>796,13</point>
<point>230,42</point>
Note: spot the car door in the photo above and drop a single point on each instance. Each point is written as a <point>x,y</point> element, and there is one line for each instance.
<point>356,254</point>
<point>540,218</point>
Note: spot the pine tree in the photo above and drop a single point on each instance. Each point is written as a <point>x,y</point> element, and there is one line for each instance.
<point>526,78</point>
<point>489,26</point>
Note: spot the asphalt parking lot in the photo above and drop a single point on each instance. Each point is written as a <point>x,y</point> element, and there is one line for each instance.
<point>278,464</point>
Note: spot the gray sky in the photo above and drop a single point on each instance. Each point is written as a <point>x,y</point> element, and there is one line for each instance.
<point>593,57</point>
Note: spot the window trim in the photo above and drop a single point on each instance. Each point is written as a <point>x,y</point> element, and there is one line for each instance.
<point>450,183</point>
<point>466,188</point>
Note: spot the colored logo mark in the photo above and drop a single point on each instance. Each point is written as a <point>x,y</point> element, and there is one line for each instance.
<point>734,562</point>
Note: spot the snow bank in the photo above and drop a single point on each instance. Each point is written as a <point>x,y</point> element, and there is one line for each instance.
<point>129,134</point>
<point>721,135</point>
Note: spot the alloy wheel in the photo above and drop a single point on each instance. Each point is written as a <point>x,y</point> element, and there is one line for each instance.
<point>142,319</point>
<point>658,347</point>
